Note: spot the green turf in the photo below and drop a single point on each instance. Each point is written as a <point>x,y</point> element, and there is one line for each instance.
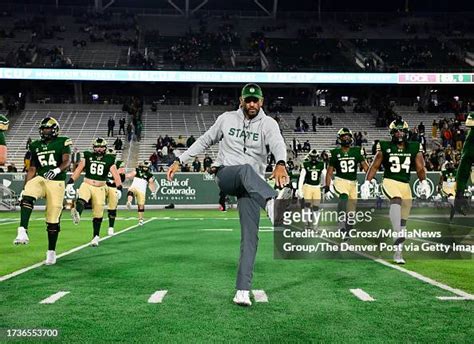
<point>309,300</point>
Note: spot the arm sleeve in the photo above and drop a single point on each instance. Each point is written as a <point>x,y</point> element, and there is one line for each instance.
<point>209,138</point>
<point>2,139</point>
<point>332,159</point>
<point>274,139</point>
<point>67,146</point>
<point>301,180</point>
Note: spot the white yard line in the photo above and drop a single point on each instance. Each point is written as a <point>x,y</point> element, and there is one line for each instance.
<point>34,266</point>
<point>55,297</point>
<point>260,296</point>
<point>217,229</point>
<point>361,294</point>
<point>157,296</point>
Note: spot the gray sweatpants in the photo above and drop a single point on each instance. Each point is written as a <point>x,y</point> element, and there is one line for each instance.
<point>252,193</point>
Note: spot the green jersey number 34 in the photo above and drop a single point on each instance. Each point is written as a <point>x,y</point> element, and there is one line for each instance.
<point>396,166</point>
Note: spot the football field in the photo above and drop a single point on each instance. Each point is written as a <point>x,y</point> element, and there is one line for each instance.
<point>173,279</point>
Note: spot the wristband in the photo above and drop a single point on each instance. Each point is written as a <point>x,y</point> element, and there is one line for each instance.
<point>120,187</point>
<point>70,181</point>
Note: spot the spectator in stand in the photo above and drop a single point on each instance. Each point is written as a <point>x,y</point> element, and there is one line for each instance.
<point>458,138</point>
<point>122,125</point>
<point>298,124</point>
<point>304,126</point>
<point>28,143</point>
<point>138,130</point>
<point>118,144</point>
<point>196,165</point>
<point>313,122</point>
<point>299,148</point>
<point>166,140</point>
<point>171,156</point>
<point>12,168</point>
<point>185,168</point>
<point>165,150</point>
<point>159,143</point>
<point>290,164</point>
<point>207,162</point>
<point>421,128</point>
<point>110,126</point>
<point>130,132</point>
<point>181,142</point>
<point>306,146</point>
<point>190,141</point>
<point>154,161</point>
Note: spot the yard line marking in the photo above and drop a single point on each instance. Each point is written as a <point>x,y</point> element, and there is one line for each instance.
<point>34,266</point>
<point>361,294</point>
<point>217,229</point>
<point>414,274</point>
<point>55,297</point>
<point>157,296</point>
<point>452,298</point>
<point>260,295</point>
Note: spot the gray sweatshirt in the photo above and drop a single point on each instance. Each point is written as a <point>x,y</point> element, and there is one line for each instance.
<point>242,141</point>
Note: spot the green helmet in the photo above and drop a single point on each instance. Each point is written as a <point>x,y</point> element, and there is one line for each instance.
<point>344,141</point>
<point>395,127</point>
<point>470,120</point>
<point>314,156</point>
<point>100,146</point>
<point>49,128</point>
<point>145,165</point>
<point>4,122</point>
<point>111,151</point>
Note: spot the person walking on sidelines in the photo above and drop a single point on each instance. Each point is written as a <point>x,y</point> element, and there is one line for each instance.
<point>243,136</point>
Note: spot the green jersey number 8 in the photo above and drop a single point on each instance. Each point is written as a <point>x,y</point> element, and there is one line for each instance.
<point>97,169</point>
<point>396,167</point>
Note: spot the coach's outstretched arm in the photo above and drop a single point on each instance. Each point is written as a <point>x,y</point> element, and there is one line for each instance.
<point>209,138</point>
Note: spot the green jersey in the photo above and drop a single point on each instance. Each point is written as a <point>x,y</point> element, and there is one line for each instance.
<point>345,163</point>
<point>142,174</point>
<point>47,156</point>
<point>467,157</point>
<point>398,162</point>
<point>4,122</point>
<point>97,165</point>
<point>311,172</point>
<point>110,179</point>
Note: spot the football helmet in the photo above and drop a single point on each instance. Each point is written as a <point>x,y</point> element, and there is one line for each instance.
<point>111,151</point>
<point>314,156</point>
<point>49,128</point>
<point>396,127</point>
<point>100,146</point>
<point>145,165</point>
<point>4,122</point>
<point>344,137</point>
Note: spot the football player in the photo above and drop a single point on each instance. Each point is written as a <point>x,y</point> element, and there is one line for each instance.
<point>50,159</point>
<point>447,184</point>
<point>309,185</point>
<point>4,122</point>
<point>397,156</point>
<point>97,165</point>
<point>345,162</point>
<point>465,167</point>
<point>112,200</point>
<point>142,177</point>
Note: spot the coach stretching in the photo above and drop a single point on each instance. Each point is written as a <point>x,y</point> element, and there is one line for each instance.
<point>244,136</point>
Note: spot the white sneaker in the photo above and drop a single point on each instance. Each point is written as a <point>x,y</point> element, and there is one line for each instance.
<point>50,257</point>
<point>110,231</point>
<point>140,222</point>
<point>76,217</point>
<point>95,241</point>
<point>22,237</point>
<point>398,257</point>
<point>129,205</point>
<point>242,298</point>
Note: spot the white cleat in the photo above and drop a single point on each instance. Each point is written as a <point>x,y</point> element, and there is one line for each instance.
<point>76,217</point>
<point>110,231</point>
<point>95,241</point>
<point>283,194</point>
<point>398,258</point>
<point>50,257</point>
<point>22,237</point>
<point>242,298</point>
<point>129,205</point>
<point>140,222</point>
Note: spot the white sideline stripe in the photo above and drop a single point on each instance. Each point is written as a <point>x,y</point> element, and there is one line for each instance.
<point>217,229</point>
<point>157,296</point>
<point>260,295</point>
<point>267,227</point>
<point>414,274</point>
<point>361,294</point>
<point>452,298</point>
<point>55,297</point>
<point>34,266</point>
